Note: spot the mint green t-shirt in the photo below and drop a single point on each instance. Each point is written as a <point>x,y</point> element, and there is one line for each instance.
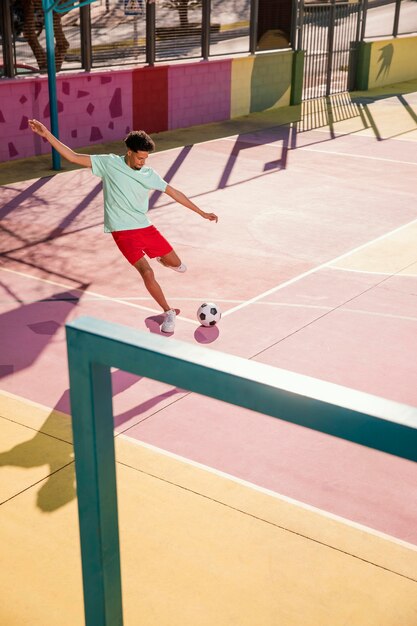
<point>126,192</point>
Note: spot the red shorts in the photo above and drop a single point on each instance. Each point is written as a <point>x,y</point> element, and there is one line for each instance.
<point>134,244</point>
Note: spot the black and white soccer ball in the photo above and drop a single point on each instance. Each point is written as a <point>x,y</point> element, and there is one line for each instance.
<point>209,314</point>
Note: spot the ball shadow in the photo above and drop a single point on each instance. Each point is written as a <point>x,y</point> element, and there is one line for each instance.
<point>206,334</point>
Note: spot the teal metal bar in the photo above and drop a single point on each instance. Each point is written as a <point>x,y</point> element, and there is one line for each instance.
<point>92,424</point>
<point>94,346</point>
<point>62,6</point>
<point>47,6</point>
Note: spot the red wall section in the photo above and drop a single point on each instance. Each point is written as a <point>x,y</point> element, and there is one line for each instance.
<point>150,99</point>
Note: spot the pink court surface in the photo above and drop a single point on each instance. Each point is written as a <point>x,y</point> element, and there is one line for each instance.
<point>314,265</point>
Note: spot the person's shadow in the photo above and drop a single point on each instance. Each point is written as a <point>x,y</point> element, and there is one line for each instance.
<point>52,445</point>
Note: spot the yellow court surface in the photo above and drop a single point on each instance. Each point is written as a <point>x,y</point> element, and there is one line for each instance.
<point>198,547</point>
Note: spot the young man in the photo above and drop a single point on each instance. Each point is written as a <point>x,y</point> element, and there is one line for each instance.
<point>127,181</point>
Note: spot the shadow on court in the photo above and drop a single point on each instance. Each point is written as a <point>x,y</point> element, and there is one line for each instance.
<point>26,331</point>
<point>55,452</point>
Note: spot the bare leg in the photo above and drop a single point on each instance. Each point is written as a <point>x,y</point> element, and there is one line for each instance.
<point>151,284</point>
<point>171,259</point>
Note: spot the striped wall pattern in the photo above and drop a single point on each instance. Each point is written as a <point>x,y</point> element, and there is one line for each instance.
<point>103,106</point>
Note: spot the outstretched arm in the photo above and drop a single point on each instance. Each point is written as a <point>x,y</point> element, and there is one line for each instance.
<point>178,196</point>
<point>80,159</point>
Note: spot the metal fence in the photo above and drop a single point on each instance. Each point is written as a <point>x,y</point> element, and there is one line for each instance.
<point>120,32</point>
<point>329,33</point>
<point>386,18</point>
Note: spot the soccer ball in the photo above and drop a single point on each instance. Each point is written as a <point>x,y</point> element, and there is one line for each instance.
<point>209,314</point>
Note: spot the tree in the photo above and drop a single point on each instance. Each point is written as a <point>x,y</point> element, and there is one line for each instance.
<point>31,11</point>
<point>183,7</point>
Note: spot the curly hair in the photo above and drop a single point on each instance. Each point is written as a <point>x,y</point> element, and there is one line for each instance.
<point>138,140</point>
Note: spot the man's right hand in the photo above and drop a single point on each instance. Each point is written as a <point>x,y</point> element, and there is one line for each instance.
<point>73,157</point>
<point>38,128</point>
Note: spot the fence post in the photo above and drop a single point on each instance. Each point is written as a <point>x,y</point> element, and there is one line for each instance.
<point>85,34</point>
<point>6,28</point>
<point>364,15</point>
<point>150,33</point>
<point>205,30</point>
<point>253,28</point>
<point>363,65</point>
<point>297,77</point>
<point>294,22</point>
<point>330,42</point>
<point>396,18</point>
<point>48,11</point>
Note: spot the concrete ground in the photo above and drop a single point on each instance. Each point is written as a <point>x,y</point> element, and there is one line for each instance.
<point>226,517</point>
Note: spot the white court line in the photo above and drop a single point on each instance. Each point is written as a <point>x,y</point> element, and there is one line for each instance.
<point>316,269</point>
<point>393,274</point>
<point>331,308</point>
<point>407,318</point>
<point>356,156</point>
<point>187,299</point>
<point>265,491</point>
<point>99,296</point>
<point>274,144</point>
<point>348,154</point>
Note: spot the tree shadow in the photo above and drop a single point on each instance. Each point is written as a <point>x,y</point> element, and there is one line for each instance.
<point>12,204</point>
<point>385,60</point>
<point>51,446</point>
<point>26,330</point>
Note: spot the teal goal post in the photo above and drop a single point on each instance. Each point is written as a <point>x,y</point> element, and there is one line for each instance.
<point>94,346</point>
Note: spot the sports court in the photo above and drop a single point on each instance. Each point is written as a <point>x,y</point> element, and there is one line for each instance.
<point>226,516</point>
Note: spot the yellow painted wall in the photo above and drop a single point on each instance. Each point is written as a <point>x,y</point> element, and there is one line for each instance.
<point>260,83</point>
<point>241,81</point>
<point>393,61</point>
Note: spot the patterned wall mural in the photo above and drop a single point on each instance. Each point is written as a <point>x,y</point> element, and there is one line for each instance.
<point>103,106</point>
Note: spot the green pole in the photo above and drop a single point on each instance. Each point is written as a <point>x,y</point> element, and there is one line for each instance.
<point>50,59</point>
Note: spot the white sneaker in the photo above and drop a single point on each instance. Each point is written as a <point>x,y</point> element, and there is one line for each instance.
<point>181,268</point>
<point>168,325</point>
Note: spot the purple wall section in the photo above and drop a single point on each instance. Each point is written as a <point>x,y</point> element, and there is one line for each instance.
<point>199,93</point>
<point>93,108</point>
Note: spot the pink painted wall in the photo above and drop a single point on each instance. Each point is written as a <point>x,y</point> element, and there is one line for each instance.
<point>93,108</point>
<point>199,93</point>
